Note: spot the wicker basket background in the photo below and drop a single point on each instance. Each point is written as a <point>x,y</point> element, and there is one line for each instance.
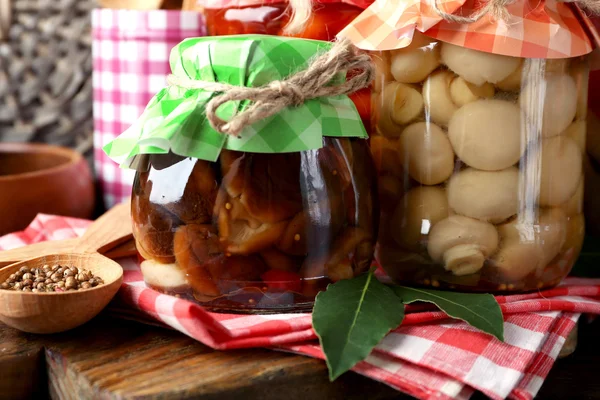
<point>45,73</point>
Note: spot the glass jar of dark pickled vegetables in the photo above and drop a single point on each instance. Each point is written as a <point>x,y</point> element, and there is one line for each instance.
<point>257,229</point>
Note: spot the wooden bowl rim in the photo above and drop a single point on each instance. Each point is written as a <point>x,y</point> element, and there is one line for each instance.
<point>105,286</point>
<point>73,157</point>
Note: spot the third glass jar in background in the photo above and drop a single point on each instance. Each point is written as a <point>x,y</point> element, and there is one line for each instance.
<point>479,158</point>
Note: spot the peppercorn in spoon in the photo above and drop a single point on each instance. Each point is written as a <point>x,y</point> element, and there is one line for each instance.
<point>89,280</point>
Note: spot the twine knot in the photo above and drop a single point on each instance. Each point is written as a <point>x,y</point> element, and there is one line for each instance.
<point>310,83</point>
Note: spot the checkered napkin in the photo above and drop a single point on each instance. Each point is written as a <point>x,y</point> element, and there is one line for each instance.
<point>429,356</point>
<point>536,28</point>
<point>130,51</point>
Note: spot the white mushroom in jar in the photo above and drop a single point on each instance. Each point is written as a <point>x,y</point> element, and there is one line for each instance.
<point>515,260</point>
<point>561,167</point>
<point>413,64</point>
<point>550,103</point>
<point>438,101</point>
<point>463,92</point>
<point>486,134</point>
<point>476,66</point>
<point>417,212</point>
<point>426,153</point>
<point>462,244</point>
<point>485,195</point>
<point>512,83</point>
<point>164,276</point>
<point>547,231</point>
<point>402,102</point>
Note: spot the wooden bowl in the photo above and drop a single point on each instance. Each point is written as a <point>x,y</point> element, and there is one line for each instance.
<point>39,178</point>
<point>58,312</point>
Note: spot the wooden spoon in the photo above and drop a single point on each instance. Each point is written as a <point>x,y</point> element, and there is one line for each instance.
<point>120,247</point>
<point>60,311</point>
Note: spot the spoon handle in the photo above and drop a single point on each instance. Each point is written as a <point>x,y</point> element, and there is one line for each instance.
<point>12,256</point>
<point>111,229</point>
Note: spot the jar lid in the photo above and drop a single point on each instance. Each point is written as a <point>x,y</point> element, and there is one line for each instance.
<point>531,29</point>
<point>176,120</point>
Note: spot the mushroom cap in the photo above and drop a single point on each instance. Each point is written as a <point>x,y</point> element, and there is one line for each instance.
<point>512,83</point>
<point>515,260</point>
<point>550,105</point>
<point>267,184</point>
<point>476,66</point>
<point>350,255</point>
<point>153,225</point>
<point>463,92</point>
<point>426,153</point>
<point>547,231</point>
<point>194,246</point>
<point>413,64</point>
<point>417,212</point>
<point>403,103</point>
<point>459,230</point>
<point>486,134</point>
<point>437,97</point>
<point>561,169</point>
<point>197,200</point>
<point>485,195</point>
<point>168,277</point>
<point>381,61</point>
<point>239,237</point>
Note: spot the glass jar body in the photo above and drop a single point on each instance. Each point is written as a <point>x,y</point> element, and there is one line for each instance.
<point>255,232</point>
<point>479,158</point>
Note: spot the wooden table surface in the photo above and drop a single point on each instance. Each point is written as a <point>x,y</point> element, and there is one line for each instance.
<point>112,358</point>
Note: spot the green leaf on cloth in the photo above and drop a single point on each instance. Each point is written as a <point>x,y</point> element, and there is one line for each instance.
<point>481,311</point>
<point>175,119</point>
<point>351,317</point>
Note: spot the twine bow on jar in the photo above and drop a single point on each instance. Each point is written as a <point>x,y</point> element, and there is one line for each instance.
<point>497,10</point>
<point>310,83</point>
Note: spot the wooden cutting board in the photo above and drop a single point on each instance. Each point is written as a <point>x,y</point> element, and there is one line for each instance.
<point>109,359</point>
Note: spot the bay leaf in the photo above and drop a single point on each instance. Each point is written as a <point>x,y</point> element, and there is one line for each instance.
<point>351,317</point>
<point>481,311</point>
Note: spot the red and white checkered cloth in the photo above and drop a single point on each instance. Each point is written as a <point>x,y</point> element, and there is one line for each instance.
<point>429,356</point>
<point>130,51</point>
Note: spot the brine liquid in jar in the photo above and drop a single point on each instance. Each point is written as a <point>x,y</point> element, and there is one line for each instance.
<point>479,160</point>
<point>253,231</point>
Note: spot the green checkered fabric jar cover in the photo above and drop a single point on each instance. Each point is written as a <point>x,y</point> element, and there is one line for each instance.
<point>175,120</point>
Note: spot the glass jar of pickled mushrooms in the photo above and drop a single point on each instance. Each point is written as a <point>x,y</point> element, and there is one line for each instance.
<point>260,221</point>
<point>255,231</point>
<point>479,157</point>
